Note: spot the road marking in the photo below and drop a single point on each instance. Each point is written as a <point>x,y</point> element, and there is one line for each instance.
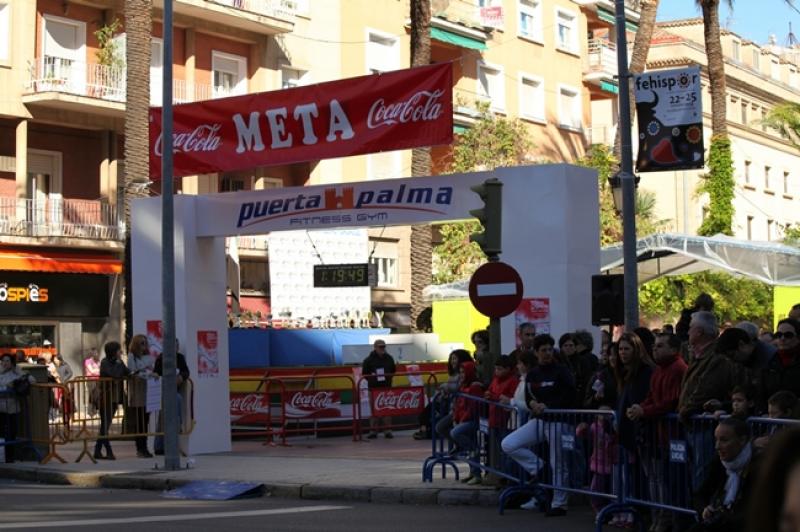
<point>163,518</point>
<point>497,289</point>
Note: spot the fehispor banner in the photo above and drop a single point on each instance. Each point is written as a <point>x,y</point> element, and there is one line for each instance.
<point>397,401</point>
<point>669,112</point>
<point>388,111</point>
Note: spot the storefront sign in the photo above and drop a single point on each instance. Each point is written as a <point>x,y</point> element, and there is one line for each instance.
<point>388,111</point>
<point>397,401</point>
<point>37,295</point>
<point>670,116</point>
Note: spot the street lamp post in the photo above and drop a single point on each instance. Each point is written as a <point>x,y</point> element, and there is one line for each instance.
<point>625,177</point>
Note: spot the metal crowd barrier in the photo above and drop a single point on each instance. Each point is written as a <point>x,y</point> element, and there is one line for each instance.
<point>623,466</point>
<point>72,412</point>
<point>394,401</point>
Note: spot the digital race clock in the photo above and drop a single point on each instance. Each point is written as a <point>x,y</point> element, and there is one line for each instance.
<point>334,275</point>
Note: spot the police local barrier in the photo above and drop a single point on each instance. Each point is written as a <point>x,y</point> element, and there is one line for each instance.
<point>394,401</point>
<point>85,409</point>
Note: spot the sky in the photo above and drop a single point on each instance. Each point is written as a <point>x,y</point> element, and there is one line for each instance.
<point>752,19</point>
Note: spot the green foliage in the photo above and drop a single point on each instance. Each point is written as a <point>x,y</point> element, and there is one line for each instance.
<point>108,52</point>
<point>491,142</point>
<point>735,298</point>
<point>719,185</point>
<point>602,159</point>
<point>791,235</point>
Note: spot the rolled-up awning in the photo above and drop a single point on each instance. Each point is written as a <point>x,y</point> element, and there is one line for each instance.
<point>59,261</point>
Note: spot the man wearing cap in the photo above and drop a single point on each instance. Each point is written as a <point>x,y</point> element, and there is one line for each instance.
<point>378,368</point>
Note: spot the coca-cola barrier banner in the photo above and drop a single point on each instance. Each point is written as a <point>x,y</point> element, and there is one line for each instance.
<point>252,408</point>
<point>397,401</point>
<point>388,111</point>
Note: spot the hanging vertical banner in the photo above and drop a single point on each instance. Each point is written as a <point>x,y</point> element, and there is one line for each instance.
<point>670,117</point>
<point>207,354</point>
<point>155,337</point>
<point>534,310</point>
<point>382,112</point>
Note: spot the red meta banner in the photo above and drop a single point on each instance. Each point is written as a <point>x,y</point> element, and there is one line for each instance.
<point>397,401</point>
<point>388,111</point>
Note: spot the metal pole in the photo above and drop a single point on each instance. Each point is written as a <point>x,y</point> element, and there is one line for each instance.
<point>169,386</point>
<point>631,283</point>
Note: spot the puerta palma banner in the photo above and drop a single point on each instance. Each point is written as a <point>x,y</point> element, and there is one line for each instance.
<point>670,116</point>
<point>388,111</point>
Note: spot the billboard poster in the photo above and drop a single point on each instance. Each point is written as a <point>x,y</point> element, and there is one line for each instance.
<point>393,110</point>
<point>155,337</point>
<point>207,354</point>
<point>534,310</point>
<point>670,117</point>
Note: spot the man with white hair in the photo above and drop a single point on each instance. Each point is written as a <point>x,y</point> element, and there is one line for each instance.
<point>710,376</point>
<point>762,352</point>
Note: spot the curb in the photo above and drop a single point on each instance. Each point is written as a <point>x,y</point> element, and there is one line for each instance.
<point>156,481</point>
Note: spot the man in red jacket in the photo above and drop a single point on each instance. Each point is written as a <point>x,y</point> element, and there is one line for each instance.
<point>665,389</point>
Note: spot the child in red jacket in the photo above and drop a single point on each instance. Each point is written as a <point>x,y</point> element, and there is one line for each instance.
<point>501,390</point>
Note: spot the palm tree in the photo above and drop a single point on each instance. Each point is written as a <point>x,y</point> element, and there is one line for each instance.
<point>138,28</point>
<point>421,253</point>
<point>716,65</point>
<point>638,62</point>
<point>785,118</point>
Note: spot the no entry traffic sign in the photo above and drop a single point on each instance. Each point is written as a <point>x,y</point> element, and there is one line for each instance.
<point>495,289</point>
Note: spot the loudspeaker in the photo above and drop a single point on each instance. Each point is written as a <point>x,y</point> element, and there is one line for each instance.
<point>608,300</point>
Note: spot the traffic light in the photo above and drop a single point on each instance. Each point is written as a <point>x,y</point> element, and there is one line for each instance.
<point>490,216</point>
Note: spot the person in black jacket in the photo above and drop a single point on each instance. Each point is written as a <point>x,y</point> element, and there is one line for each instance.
<point>582,363</point>
<point>378,368</point>
<point>548,386</point>
<point>180,379</point>
<point>702,302</point>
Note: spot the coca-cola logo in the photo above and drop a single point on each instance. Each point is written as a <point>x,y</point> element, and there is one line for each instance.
<point>312,401</point>
<point>422,106</point>
<point>203,138</point>
<point>392,400</point>
<point>248,404</point>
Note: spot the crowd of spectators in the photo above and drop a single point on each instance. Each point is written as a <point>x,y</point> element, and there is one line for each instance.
<point>710,381</point>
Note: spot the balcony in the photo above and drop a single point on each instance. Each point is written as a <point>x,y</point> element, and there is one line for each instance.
<point>601,64</point>
<point>604,135</point>
<point>632,7</point>
<point>266,17</point>
<point>459,17</point>
<point>67,84</point>
<point>59,217</point>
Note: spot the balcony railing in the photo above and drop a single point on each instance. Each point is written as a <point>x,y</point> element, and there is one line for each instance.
<point>282,9</point>
<point>602,57</point>
<point>59,217</point>
<point>465,12</point>
<point>56,74</point>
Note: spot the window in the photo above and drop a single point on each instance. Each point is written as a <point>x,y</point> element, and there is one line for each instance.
<point>232,183</point>
<point>744,112</point>
<point>5,31</point>
<point>491,85</point>
<point>749,228</point>
<point>64,51</point>
<point>757,59</point>
<point>385,165</point>
<point>785,182</point>
<point>566,31</point>
<point>569,107</point>
<point>767,170</point>
<point>530,19</point>
<point>230,74</point>
<point>770,229</point>
<point>293,77</point>
<point>531,97</point>
<point>747,165</point>
<point>156,72</point>
<point>736,50</point>
<point>383,53</point>
<point>775,70</point>
<point>384,257</point>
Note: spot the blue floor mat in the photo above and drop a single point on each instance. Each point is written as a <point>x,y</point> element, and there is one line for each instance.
<point>216,490</point>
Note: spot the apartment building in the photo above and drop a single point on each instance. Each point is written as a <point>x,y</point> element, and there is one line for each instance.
<point>548,62</point>
<point>765,164</point>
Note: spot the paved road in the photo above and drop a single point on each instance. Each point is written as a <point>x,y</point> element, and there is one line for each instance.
<point>44,507</point>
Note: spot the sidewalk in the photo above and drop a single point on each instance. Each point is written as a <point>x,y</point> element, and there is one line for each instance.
<point>332,468</point>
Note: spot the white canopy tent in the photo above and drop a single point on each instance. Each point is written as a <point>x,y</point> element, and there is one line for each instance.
<point>675,254</point>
